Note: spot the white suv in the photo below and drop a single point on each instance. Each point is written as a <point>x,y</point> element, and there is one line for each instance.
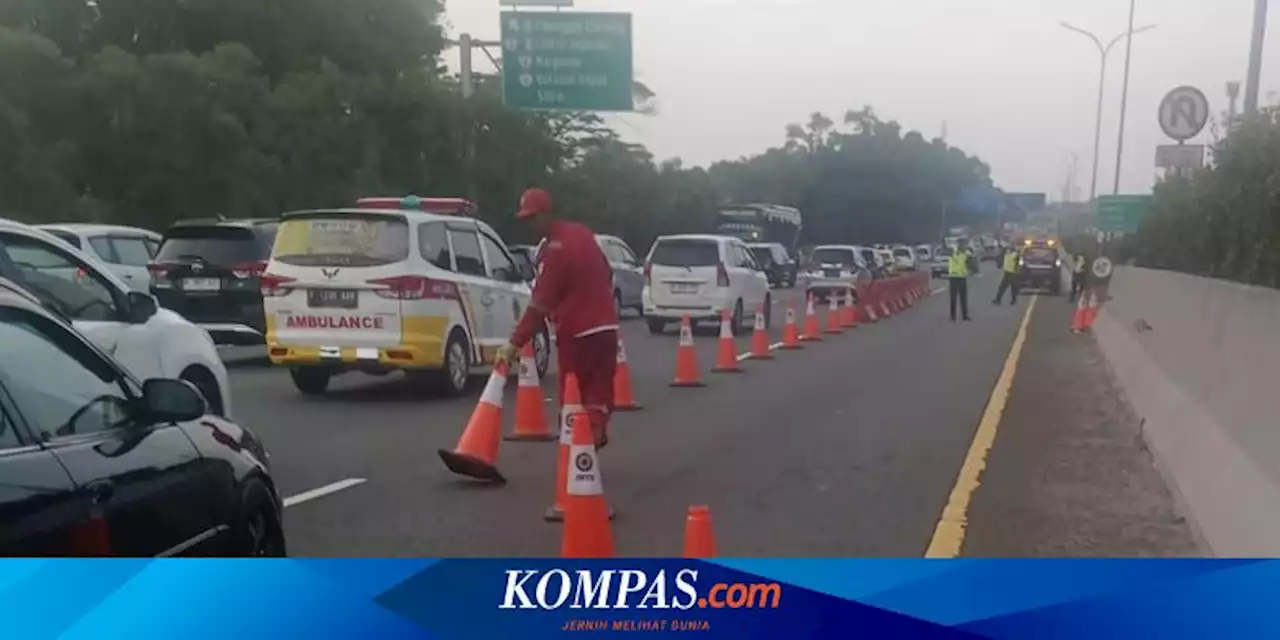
<point>395,284</point>
<point>700,275</point>
<point>128,325</point>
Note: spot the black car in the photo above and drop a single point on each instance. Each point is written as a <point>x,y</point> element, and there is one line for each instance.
<point>1040,267</point>
<point>94,463</point>
<point>776,262</point>
<point>207,271</point>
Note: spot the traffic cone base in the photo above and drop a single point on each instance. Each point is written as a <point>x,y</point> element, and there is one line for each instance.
<point>472,466</point>
<point>476,455</point>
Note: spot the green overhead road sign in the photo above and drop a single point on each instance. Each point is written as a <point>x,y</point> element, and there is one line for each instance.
<point>1121,214</point>
<point>567,61</point>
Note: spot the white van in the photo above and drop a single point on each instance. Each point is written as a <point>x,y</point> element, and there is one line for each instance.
<point>412,284</point>
<point>700,275</point>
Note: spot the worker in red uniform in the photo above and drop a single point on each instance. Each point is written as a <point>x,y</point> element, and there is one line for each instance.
<point>576,289</point>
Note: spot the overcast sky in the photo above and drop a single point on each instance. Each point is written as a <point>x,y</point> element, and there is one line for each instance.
<point>1012,85</point>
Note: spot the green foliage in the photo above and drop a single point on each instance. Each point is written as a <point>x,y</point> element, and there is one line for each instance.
<point>1222,221</point>
<point>144,112</point>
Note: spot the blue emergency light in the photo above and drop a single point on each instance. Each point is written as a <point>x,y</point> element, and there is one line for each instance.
<point>411,202</point>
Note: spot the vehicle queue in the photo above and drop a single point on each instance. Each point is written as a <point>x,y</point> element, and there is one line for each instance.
<point>417,285</point>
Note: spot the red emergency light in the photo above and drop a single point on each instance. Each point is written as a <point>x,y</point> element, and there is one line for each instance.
<point>443,206</point>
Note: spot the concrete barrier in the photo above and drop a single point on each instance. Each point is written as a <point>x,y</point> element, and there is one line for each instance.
<point>1198,360</point>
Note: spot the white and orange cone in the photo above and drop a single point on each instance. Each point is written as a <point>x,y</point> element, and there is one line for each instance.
<point>531,416</point>
<point>476,455</point>
<point>727,354</point>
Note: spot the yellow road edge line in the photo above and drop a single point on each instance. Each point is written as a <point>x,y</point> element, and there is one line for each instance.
<point>948,536</point>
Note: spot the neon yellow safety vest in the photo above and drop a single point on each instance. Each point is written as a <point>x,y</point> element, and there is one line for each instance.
<point>958,265</point>
<point>1011,262</point>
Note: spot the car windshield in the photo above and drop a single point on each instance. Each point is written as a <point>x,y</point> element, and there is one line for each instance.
<point>685,253</point>
<point>1040,254</point>
<point>902,253</point>
<point>763,254</point>
<point>214,244</point>
<point>833,256</point>
<point>345,240</point>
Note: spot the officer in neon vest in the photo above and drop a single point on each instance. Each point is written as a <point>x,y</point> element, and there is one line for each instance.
<point>1009,279</point>
<point>1079,267</point>
<point>958,273</point>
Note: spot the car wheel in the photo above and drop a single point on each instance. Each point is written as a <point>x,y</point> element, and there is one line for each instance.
<point>260,534</point>
<point>451,379</point>
<point>656,325</point>
<point>735,323</point>
<point>617,303</point>
<point>310,381</point>
<point>207,385</point>
<point>542,353</point>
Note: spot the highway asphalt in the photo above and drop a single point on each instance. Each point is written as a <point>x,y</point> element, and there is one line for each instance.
<point>849,447</point>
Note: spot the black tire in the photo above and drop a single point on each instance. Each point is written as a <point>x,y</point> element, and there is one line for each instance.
<point>310,381</point>
<point>656,325</point>
<point>207,385</point>
<point>451,380</point>
<point>735,323</point>
<point>258,533</point>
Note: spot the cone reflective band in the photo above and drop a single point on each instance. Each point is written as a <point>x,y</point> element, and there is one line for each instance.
<point>849,319</point>
<point>760,338</point>
<point>727,352</point>
<point>531,417</point>
<point>572,400</point>
<point>623,399</point>
<point>790,333</point>
<point>833,313</point>
<point>476,455</point>
<point>587,532</point>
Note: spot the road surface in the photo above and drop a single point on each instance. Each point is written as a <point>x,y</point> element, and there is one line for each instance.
<point>850,447</point>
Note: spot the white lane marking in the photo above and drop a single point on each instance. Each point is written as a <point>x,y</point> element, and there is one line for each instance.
<point>322,491</point>
<point>935,292</point>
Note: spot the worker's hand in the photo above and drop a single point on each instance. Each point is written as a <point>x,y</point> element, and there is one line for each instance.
<point>505,355</point>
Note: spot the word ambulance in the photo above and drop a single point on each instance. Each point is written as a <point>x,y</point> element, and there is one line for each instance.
<point>334,322</point>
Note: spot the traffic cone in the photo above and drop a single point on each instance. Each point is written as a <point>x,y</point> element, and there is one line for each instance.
<point>1091,312</point>
<point>811,331</point>
<point>531,418</point>
<point>727,356</point>
<point>571,403</point>
<point>833,314</point>
<point>850,319</point>
<point>790,334</point>
<point>1081,315</point>
<point>760,338</point>
<point>476,455</point>
<point>587,532</point>
<point>699,536</point>
<point>623,400</point>
<point>869,310</point>
<point>686,358</point>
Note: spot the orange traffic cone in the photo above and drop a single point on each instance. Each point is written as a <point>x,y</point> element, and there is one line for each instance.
<point>833,313</point>
<point>587,532</point>
<point>869,311</point>
<point>811,330</point>
<point>699,537</point>
<point>760,338</point>
<point>791,334</point>
<point>1091,312</point>
<point>850,318</point>
<point>1081,316</point>
<point>727,356</point>
<point>571,403</point>
<point>686,358</point>
<point>531,418</point>
<point>477,452</point>
<point>623,400</point>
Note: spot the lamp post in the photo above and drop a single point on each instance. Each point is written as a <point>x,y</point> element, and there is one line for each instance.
<point>1103,51</point>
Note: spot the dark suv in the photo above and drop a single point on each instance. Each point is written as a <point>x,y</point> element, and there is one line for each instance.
<point>207,270</point>
<point>1040,267</point>
<point>776,262</point>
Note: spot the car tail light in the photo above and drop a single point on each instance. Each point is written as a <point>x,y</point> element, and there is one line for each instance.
<point>273,286</point>
<point>159,268</point>
<point>248,269</point>
<point>722,275</point>
<point>415,288</point>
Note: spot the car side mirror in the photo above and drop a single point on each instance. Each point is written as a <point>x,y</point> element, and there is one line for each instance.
<point>170,400</point>
<point>141,307</point>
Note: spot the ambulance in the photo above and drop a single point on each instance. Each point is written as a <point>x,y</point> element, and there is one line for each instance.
<point>394,284</point>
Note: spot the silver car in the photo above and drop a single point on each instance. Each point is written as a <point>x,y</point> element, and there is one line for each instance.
<point>628,273</point>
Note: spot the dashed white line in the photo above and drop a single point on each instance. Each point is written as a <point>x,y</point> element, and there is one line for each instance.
<point>322,491</point>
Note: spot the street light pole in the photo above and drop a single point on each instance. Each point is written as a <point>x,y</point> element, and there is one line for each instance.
<point>1124,96</point>
<point>1255,56</point>
<point>1103,52</point>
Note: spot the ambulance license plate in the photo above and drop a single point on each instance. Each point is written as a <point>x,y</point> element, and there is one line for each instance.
<point>332,298</point>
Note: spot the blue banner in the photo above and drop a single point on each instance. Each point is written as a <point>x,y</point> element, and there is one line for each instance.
<point>516,599</point>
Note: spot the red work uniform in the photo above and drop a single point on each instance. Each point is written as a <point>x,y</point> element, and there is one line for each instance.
<point>575,288</point>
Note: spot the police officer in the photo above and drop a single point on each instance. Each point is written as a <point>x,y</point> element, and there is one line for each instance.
<point>1079,267</point>
<point>1009,277</point>
<point>958,274</point>
<point>575,289</point>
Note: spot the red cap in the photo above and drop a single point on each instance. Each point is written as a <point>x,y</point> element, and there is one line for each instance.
<point>534,202</point>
